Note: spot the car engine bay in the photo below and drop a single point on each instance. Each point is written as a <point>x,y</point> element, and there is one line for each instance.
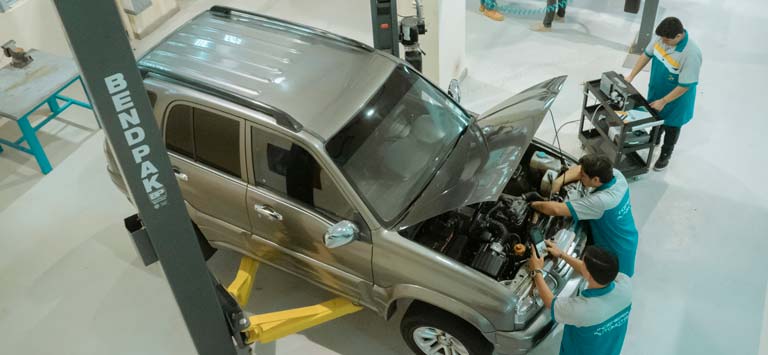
<point>495,237</point>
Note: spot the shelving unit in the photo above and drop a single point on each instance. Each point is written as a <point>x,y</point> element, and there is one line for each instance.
<point>629,142</point>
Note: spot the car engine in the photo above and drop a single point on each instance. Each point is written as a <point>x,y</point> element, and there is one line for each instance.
<point>492,237</point>
<point>495,237</point>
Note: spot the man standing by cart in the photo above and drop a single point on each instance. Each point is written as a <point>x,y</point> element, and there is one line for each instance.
<point>674,76</point>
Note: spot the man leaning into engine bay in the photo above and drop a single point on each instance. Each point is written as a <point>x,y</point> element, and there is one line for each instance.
<point>607,207</point>
<point>595,321</point>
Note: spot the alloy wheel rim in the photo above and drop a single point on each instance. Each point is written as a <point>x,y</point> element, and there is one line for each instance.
<point>434,341</point>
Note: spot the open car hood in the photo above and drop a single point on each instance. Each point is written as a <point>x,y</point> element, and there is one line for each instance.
<point>486,155</point>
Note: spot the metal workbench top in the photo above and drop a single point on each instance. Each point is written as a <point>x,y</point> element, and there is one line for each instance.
<point>23,89</point>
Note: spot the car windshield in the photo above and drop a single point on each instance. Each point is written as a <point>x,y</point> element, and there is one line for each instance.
<point>391,149</point>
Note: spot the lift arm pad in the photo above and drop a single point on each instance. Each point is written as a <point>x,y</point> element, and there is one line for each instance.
<point>241,286</point>
<point>272,326</point>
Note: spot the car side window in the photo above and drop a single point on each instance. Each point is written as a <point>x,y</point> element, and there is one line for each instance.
<point>217,141</point>
<point>178,131</point>
<point>204,136</point>
<point>288,169</point>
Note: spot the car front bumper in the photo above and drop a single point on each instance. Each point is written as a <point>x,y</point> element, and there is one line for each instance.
<point>542,327</point>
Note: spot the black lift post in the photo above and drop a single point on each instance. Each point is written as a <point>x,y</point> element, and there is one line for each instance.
<point>647,23</point>
<point>115,86</point>
<point>385,29</point>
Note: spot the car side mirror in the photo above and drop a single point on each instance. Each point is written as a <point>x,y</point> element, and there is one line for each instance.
<point>454,91</point>
<point>341,234</point>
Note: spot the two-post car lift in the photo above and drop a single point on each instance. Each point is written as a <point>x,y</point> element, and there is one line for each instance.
<point>162,230</point>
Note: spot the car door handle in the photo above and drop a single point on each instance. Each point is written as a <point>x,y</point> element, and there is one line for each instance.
<point>179,175</point>
<point>268,212</point>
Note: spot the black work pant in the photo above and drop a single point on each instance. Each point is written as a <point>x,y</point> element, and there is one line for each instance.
<point>552,6</point>
<point>671,135</point>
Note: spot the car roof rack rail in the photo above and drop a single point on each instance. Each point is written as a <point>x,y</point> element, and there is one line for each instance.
<point>228,11</point>
<point>281,117</point>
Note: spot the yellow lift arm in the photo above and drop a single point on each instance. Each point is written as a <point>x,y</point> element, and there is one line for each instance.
<point>269,327</point>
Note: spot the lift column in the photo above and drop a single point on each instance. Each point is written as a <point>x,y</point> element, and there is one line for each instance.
<point>120,101</point>
<point>647,24</point>
<point>385,29</point>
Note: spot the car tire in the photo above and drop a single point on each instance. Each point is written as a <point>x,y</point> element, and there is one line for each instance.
<point>205,247</point>
<point>424,327</point>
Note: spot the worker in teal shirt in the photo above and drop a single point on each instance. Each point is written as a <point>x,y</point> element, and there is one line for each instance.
<point>488,8</point>
<point>595,321</point>
<point>674,77</point>
<point>607,207</point>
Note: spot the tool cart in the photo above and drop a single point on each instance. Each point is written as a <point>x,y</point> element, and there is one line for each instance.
<point>622,125</point>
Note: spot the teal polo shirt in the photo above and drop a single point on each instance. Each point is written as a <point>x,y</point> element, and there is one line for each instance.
<point>674,66</point>
<point>609,212</point>
<point>596,320</point>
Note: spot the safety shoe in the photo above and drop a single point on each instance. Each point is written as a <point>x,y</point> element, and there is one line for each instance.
<point>539,27</point>
<point>492,14</point>
<point>661,163</point>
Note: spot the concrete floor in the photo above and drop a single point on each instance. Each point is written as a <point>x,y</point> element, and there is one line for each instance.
<point>72,284</point>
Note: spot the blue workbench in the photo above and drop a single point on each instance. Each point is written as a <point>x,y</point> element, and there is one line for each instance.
<point>24,90</point>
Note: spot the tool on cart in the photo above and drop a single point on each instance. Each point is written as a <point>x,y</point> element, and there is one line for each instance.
<point>19,57</point>
<point>621,94</point>
<point>624,126</point>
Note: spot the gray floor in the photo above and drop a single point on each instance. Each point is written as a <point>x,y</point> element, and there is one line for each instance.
<point>72,284</point>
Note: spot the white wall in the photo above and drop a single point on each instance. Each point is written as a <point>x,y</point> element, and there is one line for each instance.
<point>452,40</point>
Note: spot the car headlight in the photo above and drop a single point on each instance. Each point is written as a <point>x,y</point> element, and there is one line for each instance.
<point>530,303</point>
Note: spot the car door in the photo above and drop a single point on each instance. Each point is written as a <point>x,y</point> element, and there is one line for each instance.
<point>292,201</point>
<point>206,152</point>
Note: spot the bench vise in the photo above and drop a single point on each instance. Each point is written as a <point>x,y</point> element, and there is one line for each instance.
<point>19,57</point>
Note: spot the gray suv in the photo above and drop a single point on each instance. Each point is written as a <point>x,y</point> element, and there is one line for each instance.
<point>342,165</point>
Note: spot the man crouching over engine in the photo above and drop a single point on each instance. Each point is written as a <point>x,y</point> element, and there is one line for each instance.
<point>607,207</point>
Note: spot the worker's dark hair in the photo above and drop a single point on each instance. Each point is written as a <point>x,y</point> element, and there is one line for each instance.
<point>601,264</point>
<point>669,27</point>
<point>597,165</point>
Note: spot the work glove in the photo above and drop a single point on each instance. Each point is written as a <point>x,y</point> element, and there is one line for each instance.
<point>533,196</point>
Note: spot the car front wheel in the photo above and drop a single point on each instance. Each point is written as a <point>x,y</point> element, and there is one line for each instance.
<point>431,331</point>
